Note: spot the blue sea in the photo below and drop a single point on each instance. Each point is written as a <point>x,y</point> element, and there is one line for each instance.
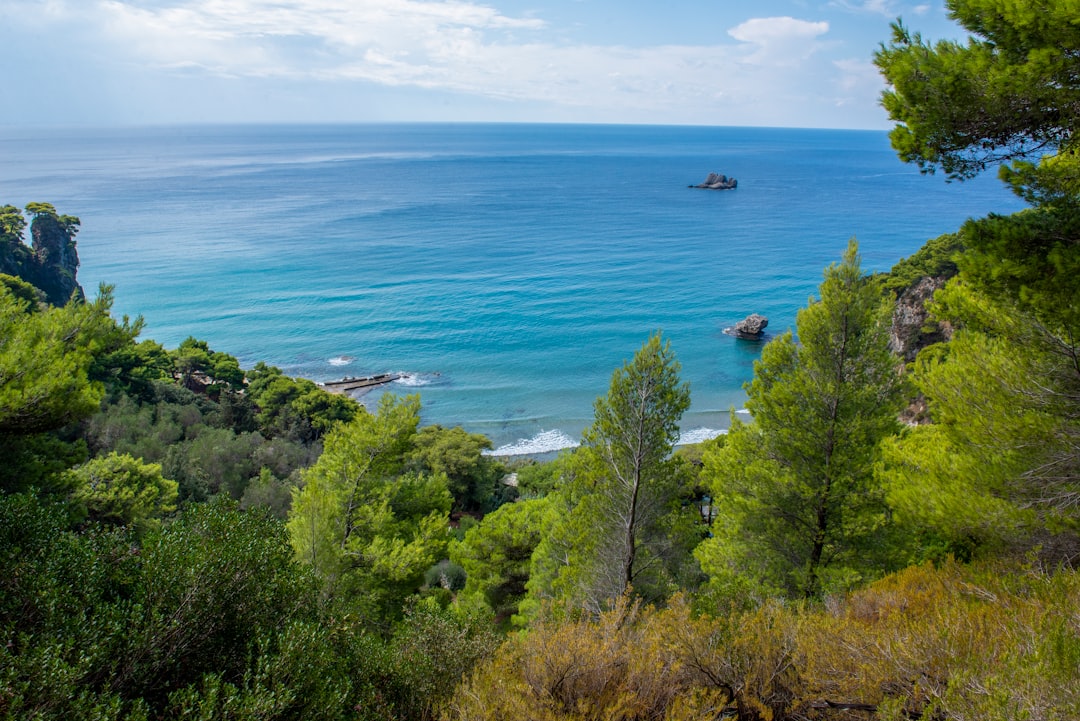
<point>506,270</point>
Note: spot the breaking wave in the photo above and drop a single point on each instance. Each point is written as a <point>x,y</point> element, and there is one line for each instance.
<point>542,442</point>
<point>699,435</point>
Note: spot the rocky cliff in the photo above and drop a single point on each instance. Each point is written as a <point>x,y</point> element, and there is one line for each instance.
<point>51,261</point>
<point>912,329</point>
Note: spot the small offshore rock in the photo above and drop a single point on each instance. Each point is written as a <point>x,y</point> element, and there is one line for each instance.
<point>752,327</point>
<point>716,181</point>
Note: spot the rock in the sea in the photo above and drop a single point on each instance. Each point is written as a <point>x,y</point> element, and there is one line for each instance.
<point>752,327</point>
<point>716,181</point>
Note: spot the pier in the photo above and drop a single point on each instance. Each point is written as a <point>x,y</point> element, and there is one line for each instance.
<point>353,384</point>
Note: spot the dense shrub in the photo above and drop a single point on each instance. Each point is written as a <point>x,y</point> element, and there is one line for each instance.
<point>945,643</point>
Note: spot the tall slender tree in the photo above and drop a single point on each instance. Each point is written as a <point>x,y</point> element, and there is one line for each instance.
<point>797,508</point>
<point>622,525</point>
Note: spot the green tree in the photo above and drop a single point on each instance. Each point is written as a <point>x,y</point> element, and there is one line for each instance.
<point>12,224</point>
<point>497,554</point>
<point>797,507</point>
<point>47,357</point>
<point>459,455</point>
<point>45,360</point>
<point>623,527</point>
<point>23,291</point>
<point>1012,91</point>
<point>193,360</point>
<point>1004,394</point>
<point>295,408</point>
<point>998,467</point>
<point>122,490</point>
<point>367,531</point>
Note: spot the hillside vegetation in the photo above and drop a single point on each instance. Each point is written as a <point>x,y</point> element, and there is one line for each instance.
<point>182,538</point>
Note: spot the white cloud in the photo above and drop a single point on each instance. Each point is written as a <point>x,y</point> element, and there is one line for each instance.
<point>299,37</point>
<point>454,45</point>
<point>764,31</point>
<point>767,65</point>
<point>885,8</point>
<point>779,40</point>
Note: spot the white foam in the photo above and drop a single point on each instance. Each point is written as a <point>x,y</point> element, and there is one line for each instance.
<point>699,435</point>
<point>414,380</point>
<point>542,442</point>
<point>341,360</point>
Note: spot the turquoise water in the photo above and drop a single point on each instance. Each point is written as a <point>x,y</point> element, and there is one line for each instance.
<point>506,269</point>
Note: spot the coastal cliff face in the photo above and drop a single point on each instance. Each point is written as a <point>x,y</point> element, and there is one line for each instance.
<point>912,330</point>
<point>50,263</point>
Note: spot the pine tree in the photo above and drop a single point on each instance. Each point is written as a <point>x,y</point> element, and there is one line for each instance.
<point>368,531</point>
<point>797,508</point>
<point>621,526</point>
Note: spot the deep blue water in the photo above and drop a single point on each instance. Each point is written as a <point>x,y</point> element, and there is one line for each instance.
<point>509,269</point>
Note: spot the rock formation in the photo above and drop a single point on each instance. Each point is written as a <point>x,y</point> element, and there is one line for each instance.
<point>911,329</point>
<point>752,327</point>
<point>717,182</point>
<point>51,262</point>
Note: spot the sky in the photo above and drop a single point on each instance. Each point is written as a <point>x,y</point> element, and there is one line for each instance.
<point>794,63</point>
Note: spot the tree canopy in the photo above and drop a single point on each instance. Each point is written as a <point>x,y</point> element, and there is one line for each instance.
<point>1011,92</point>
<point>797,508</point>
<point>617,523</point>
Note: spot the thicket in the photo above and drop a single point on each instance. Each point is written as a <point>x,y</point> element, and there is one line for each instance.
<point>146,570</point>
<point>985,641</point>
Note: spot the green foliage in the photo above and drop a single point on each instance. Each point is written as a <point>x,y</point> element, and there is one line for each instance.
<point>269,492</point>
<point>936,259</point>
<point>471,476</point>
<point>63,599</point>
<point>12,225</point>
<point>196,366</point>
<point>537,479</point>
<point>999,467</point>
<point>1010,92</point>
<point>45,359</point>
<point>25,293</point>
<point>1030,260</point>
<point>208,619</point>
<point>797,507</point>
<point>212,583</point>
<point>432,649</point>
<point>368,532</point>
<point>497,553</point>
<point>208,446</point>
<point>446,575</point>
<point>624,524</point>
<point>296,408</point>
<point>123,491</point>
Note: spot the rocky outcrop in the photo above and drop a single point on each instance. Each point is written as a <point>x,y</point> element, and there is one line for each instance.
<point>716,181</point>
<point>752,327</point>
<point>51,262</point>
<point>912,330</point>
<point>57,260</point>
